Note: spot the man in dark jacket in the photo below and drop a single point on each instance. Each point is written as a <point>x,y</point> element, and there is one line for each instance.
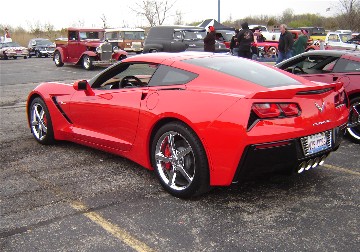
<point>286,42</point>
<point>209,40</point>
<point>245,38</point>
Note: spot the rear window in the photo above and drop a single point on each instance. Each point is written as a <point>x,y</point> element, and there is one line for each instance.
<point>245,70</point>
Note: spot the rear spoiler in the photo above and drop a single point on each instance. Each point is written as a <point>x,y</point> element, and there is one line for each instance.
<point>290,93</point>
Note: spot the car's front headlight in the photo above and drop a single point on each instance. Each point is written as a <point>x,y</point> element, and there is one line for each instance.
<point>98,49</point>
<point>115,49</point>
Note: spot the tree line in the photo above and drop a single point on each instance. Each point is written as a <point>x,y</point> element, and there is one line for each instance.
<point>157,12</point>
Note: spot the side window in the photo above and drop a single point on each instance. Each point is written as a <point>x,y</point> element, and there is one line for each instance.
<point>73,35</point>
<point>177,35</point>
<point>126,75</point>
<point>166,75</point>
<point>345,65</point>
<point>334,38</point>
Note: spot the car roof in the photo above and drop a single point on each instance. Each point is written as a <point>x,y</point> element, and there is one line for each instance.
<point>335,53</point>
<point>162,56</point>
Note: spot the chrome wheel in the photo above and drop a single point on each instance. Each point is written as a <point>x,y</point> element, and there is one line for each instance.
<point>175,160</point>
<point>38,121</point>
<point>354,120</point>
<point>58,60</point>
<point>179,160</point>
<point>87,62</point>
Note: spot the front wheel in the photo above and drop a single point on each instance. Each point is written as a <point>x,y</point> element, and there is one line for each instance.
<point>87,62</point>
<point>57,59</point>
<point>38,54</point>
<point>40,122</point>
<point>179,160</point>
<point>353,129</point>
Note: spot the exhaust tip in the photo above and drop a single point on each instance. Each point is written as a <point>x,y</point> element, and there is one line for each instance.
<point>310,163</point>
<point>302,167</point>
<point>316,162</point>
<point>322,160</point>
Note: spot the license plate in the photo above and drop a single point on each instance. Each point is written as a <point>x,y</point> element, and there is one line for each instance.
<point>316,143</point>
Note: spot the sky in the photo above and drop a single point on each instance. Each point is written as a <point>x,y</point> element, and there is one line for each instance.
<point>118,13</point>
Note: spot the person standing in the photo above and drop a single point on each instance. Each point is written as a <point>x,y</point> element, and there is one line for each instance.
<point>245,39</point>
<point>301,43</point>
<point>234,47</point>
<point>286,42</point>
<point>209,40</point>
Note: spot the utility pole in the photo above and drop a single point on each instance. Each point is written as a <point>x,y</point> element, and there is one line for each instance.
<point>219,11</point>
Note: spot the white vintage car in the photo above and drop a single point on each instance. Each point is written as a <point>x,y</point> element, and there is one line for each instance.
<point>13,50</point>
<point>269,36</point>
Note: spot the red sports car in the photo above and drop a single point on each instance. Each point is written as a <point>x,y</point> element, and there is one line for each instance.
<point>197,119</point>
<point>329,66</point>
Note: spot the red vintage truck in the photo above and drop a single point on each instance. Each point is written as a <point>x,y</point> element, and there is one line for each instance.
<point>88,48</point>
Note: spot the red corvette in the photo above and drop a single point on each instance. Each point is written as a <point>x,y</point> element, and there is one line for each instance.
<point>197,119</point>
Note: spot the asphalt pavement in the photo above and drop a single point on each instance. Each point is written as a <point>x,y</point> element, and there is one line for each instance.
<point>67,197</point>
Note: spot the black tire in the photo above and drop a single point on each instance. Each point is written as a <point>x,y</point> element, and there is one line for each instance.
<point>153,51</point>
<point>38,54</point>
<point>57,59</point>
<point>15,57</point>
<point>87,62</point>
<point>353,132</point>
<point>5,56</point>
<point>186,174</point>
<point>40,122</point>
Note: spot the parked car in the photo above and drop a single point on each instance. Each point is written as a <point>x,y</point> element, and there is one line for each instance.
<point>197,119</point>
<point>339,41</point>
<point>315,33</point>
<point>88,48</point>
<point>331,66</point>
<point>269,36</point>
<point>12,50</point>
<point>178,38</point>
<point>41,47</point>
<point>127,39</point>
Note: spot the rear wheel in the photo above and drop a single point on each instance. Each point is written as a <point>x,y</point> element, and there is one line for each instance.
<point>179,160</point>
<point>87,62</point>
<point>40,122</point>
<point>57,59</point>
<point>353,129</point>
<point>153,51</point>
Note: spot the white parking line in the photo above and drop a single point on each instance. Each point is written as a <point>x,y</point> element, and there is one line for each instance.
<point>340,169</point>
<point>111,228</point>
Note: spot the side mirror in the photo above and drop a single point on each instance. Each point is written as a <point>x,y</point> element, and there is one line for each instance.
<point>83,85</point>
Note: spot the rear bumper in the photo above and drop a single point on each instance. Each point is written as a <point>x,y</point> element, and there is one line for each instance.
<point>285,156</point>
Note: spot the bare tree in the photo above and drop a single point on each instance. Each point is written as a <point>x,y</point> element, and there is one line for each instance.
<point>178,18</point>
<point>155,11</point>
<point>350,11</point>
<point>103,19</point>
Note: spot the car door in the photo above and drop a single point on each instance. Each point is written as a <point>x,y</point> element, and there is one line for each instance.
<point>107,117</point>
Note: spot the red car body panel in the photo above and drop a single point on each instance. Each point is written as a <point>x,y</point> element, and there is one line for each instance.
<point>216,106</point>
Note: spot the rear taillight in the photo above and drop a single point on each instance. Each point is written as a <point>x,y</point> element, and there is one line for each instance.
<point>260,111</point>
<point>266,110</point>
<point>274,110</point>
<point>341,99</point>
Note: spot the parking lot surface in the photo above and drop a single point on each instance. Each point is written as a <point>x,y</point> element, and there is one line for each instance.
<point>68,197</point>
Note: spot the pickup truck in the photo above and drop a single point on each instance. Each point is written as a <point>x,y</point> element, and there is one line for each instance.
<point>340,41</point>
<point>269,36</point>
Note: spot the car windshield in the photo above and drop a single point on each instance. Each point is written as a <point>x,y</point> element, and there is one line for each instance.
<point>194,35</point>
<point>44,42</point>
<point>11,44</point>
<point>133,35</point>
<point>345,37</point>
<point>91,35</point>
<point>246,70</point>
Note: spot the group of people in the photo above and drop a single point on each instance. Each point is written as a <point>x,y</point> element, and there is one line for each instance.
<point>241,43</point>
